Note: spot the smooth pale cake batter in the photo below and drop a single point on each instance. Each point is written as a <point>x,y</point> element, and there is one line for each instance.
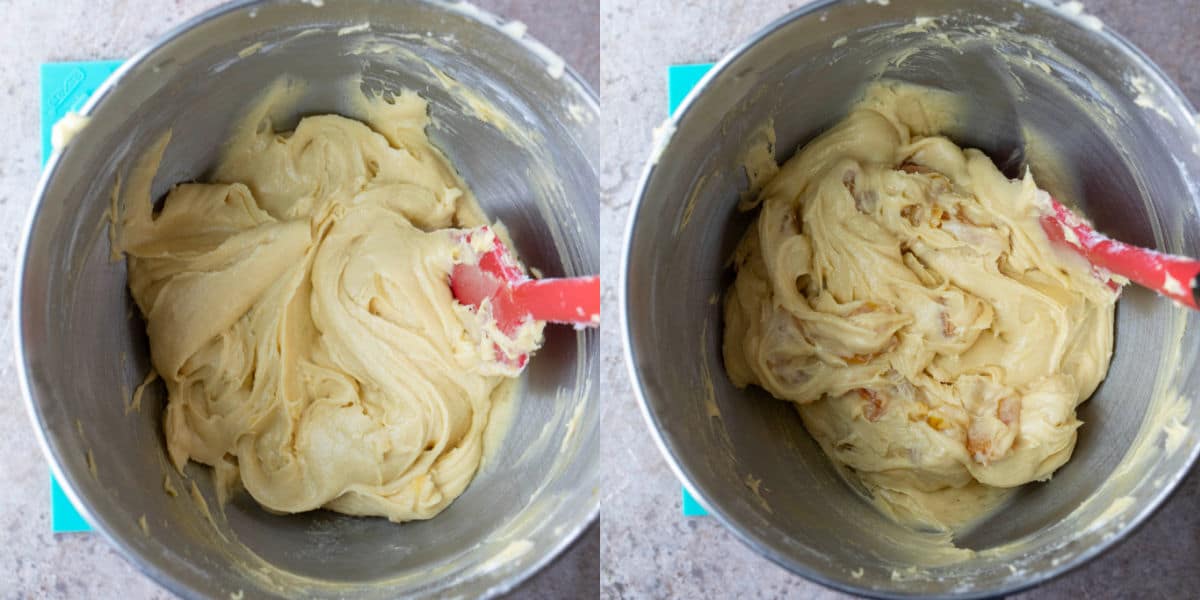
<point>901,292</point>
<point>299,313</point>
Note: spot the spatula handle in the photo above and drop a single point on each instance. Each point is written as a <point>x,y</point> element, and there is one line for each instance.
<point>1171,276</point>
<point>573,300</point>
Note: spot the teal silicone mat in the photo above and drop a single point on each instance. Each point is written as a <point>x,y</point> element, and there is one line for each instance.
<point>65,87</point>
<point>680,80</point>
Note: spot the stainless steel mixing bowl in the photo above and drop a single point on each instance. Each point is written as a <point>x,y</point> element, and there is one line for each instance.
<point>82,348</point>
<point>1038,84</point>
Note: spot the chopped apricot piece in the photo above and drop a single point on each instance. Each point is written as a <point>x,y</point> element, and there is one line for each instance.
<point>875,405</point>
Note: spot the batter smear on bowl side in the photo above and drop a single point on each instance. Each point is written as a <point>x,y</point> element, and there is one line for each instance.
<point>902,293</point>
<point>299,313</point>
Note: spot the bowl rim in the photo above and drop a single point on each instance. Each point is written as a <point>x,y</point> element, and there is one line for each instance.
<point>50,450</point>
<point>1107,36</point>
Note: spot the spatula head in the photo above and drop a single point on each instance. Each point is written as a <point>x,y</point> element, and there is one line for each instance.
<point>484,285</point>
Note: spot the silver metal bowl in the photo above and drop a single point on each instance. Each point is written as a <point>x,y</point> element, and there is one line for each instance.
<point>82,348</point>
<point>1039,84</point>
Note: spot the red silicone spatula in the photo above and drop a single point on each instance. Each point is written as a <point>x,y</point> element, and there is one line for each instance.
<point>1170,276</point>
<point>516,298</point>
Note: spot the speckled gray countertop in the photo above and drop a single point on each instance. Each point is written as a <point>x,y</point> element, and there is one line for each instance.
<point>647,548</point>
<point>33,562</point>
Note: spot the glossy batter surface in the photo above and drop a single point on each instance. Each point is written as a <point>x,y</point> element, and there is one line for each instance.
<point>299,313</point>
<point>900,291</point>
